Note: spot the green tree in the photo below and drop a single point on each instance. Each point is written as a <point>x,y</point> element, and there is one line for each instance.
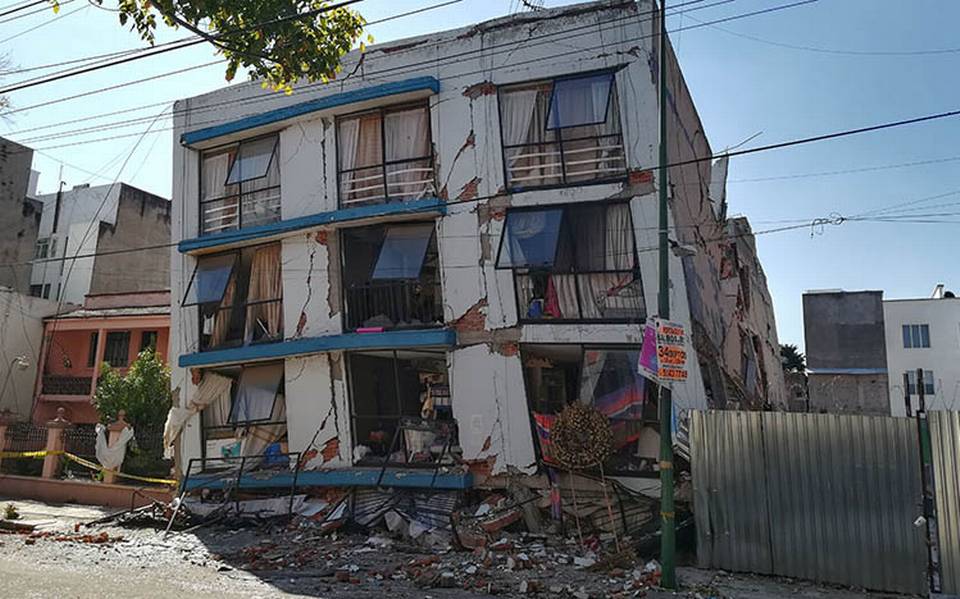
<point>792,359</point>
<point>144,392</point>
<point>277,41</point>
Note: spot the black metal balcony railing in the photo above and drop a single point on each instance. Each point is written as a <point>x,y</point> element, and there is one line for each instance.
<point>393,304</point>
<point>67,385</point>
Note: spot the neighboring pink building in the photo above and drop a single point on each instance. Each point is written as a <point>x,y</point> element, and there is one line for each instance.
<point>110,327</point>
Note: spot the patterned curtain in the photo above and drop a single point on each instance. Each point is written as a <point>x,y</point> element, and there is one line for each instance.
<point>265,320</point>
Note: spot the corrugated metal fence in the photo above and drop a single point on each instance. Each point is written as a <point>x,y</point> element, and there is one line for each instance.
<point>945,443</point>
<point>825,497</point>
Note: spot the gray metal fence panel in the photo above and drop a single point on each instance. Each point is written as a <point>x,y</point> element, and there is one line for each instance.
<point>825,497</point>
<point>945,442</point>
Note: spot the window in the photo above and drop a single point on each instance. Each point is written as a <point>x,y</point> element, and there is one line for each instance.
<point>916,336</point>
<point>92,350</point>
<point>46,291</point>
<point>573,262</point>
<point>561,132</point>
<point>385,155</point>
<point>239,296</point>
<point>244,414</point>
<point>929,387</point>
<point>393,390</point>
<point>42,248</point>
<point>36,290</point>
<point>148,339</point>
<point>240,185</point>
<point>117,349</point>
<point>391,277</point>
<point>607,379</point>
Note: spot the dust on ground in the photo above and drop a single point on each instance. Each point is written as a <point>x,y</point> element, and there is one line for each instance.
<point>62,557</point>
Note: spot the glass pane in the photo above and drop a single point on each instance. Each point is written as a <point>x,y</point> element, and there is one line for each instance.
<point>533,165</point>
<point>611,383</point>
<point>220,215</point>
<point>924,335</point>
<point>363,186</point>
<point>213,174</point>
<point>253,160</point>
<point>906,336</point>
<point>210,279</point>
<point>256,393</point>
<point>402,252</point>
<point>359,141</point>
<point>530,238</point>
<point>593,159</point>
<point>407,134</point>
<point>261,207</point>
<point>580,101</point>
<point>410,180</point>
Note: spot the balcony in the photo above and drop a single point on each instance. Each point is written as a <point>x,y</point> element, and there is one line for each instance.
<point>240,186</point>
<point>66,385</point>
<point>393,304</point>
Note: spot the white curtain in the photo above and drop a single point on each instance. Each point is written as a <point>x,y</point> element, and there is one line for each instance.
<point>619,250</point>
<point>255,439</point>
<point>213,389</point>
<point>215,168</point>
<point>347,138</point>
<point>566,290</point>
<point>516,110</point>
<point>406,138</point>
<point>217,216</point>
<point>360,146</point>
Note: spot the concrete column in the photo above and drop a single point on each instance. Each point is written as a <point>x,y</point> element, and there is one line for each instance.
<point>6,419</point>
<point>113,435</point>
<point>101,347</point>
<point>55,442</point>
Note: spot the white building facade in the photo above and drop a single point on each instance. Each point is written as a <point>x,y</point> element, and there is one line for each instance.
<point>924,334</point>
<point>433,254</point>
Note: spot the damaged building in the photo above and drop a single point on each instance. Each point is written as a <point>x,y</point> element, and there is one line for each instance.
<point>422,262</point>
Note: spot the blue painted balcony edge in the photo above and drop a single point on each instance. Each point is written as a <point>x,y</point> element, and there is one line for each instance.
<point>325,103</point>
<point>313,345</point>
<point>344,477</point>
<point>423,206</point>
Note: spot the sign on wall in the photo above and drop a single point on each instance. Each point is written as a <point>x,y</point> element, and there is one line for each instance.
<point>663,356</point>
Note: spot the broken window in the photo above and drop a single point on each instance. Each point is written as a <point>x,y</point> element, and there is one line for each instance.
<point>400,407</point>
<point>575,262</point>
<point>239,297</point>
<point>240,185</point>
<point>391,277</point>
<point>243,414</point>
<point>605,378</point>
<point>561,132</point>
<point>385,155</point>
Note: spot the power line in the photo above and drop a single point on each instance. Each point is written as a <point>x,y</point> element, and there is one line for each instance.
<point>193,42</point>
<point>33,12</point>
<point>43,24</point>
<point>24,7</point>
<point>447,60</point>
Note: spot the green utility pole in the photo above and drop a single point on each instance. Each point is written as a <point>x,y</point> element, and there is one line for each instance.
<point>667,516</point>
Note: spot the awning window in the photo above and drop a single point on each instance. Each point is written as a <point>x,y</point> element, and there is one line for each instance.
<point>253,160</point>
<point>579,101</point>
<point>402,253</point>
<point>256,393</point>
<point>210,280</point>
<point>530,238</point>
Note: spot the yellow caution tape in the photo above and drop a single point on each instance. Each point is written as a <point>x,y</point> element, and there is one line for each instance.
<point>83,462</point>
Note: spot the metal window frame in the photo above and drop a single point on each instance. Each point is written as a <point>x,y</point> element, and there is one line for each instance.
<point>584,348</point>
<point>93,344</point>
<point>560,142</point>
<point>144,334</point>
<point>240,185</point>
<point>382,111</point>
<point>434,240</point>
<point>395,360</point>
<point>220,308</point>
<point>106,348</point>
<point>553,91</point>
<point>604,205</point>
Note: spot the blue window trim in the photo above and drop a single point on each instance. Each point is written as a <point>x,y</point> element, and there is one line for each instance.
<point>283,227</point>
<point>325,103</point>
<point>313,345</point>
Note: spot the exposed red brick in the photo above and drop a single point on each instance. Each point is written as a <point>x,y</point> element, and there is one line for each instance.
<point>508,349</point>
<point>301,324</point>
<point>638,177</point>
<point>321,237</point>
<point>469,190</point>
<point>473,319</point>
<point>331,449</point>
<point>484,88</point>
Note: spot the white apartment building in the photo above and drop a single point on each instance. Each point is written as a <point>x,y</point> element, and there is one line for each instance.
<point>924,333</point>
<point>436,252</point>
<point>82,221</point>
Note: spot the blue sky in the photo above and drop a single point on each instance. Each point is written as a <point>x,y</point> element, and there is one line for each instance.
<point>857,70</point>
